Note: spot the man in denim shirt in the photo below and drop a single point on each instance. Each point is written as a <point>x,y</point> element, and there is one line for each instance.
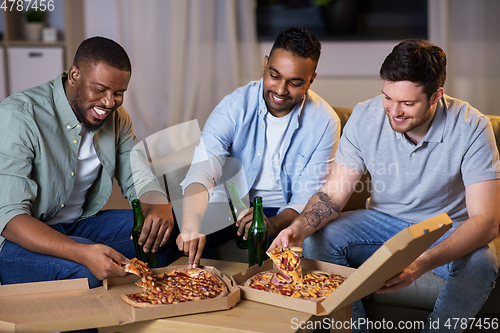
<point>284,135</point>
<point>62,143</point>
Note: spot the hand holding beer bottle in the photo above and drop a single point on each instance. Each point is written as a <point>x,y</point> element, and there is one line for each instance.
<point>147,257</point>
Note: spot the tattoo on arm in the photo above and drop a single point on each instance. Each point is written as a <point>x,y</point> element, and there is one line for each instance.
<point>322,209</point>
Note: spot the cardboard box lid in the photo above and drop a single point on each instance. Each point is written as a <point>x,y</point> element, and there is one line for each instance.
<point>390,259</point>
<point>52,306</point>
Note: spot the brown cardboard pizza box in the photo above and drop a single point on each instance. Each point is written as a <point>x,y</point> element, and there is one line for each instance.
<point>70,304</point>
<point>389,260</point>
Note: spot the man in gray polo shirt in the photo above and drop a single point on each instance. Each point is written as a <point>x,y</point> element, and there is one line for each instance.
<point>427,154</point>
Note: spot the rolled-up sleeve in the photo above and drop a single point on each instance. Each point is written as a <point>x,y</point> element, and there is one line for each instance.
<point>16,158</point>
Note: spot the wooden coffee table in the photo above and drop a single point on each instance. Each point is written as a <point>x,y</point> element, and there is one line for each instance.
<point>246,316</point>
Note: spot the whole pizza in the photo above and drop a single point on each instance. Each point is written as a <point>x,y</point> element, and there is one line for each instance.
<point>176,286</point>
<point>290,280</point>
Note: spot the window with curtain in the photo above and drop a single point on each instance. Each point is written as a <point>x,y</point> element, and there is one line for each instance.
<point>345,20</point>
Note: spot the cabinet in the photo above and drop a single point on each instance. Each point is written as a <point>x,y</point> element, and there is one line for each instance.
<point>26,63</point>
<point>32,66</point>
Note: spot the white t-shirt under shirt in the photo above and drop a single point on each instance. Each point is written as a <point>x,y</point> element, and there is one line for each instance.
<point>268,183</point>
<point>87,170</point>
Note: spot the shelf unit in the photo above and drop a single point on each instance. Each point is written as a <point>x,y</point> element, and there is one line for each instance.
<point>68,15</point>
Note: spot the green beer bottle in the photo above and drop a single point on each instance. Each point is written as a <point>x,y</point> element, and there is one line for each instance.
<point>237,206</point>
<point>257,235</point>
<point>149,257</point>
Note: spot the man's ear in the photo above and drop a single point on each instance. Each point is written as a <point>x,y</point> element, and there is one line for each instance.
<point>74,75</point>
<point>266,61</point>
<point>437,95</point>
<point>312,78</point>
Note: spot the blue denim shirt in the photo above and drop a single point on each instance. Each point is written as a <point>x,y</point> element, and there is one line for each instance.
<point>236,128</point>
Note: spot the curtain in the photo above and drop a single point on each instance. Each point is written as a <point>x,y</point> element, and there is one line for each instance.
<point>469,32</point>
<point>186,54</point>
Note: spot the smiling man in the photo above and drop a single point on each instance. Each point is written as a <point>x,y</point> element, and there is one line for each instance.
<point>427,153</point>
<point>62,143</point>
<point>284,134</point>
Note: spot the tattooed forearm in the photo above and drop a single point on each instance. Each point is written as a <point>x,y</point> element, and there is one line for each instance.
<point>322,209</point>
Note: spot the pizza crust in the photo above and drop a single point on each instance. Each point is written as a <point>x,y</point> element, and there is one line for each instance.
<point>136,303</point>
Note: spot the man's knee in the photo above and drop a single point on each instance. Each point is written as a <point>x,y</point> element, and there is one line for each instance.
<point>482,263</point>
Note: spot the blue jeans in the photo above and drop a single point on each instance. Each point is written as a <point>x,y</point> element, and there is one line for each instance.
<point>110,227</point>
<point>354,236</point>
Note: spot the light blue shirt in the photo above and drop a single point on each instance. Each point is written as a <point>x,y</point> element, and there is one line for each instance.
<point>236,128</point>
<point>416,182</point>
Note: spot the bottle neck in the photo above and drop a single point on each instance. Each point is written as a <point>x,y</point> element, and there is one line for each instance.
<point>258,215</point>
<point>138,215</point>
<point>235,197</point>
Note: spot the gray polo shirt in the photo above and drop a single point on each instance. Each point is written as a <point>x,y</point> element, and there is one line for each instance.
<point>416,182</point>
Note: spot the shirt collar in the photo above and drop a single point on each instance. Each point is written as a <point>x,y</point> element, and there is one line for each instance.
<point>436,131</point>
<point>61,103</point>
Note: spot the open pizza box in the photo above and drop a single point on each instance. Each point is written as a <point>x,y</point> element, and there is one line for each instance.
<point>70,305</point>
<point>389,260</point>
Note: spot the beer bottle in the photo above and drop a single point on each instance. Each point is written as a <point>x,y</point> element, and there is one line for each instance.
<point>237,206</point>
<point>257,235</point>
<point>149,257</point>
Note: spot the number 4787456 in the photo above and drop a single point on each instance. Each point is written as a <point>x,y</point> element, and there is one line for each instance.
<point>25,5</point>
<point>477,323</point>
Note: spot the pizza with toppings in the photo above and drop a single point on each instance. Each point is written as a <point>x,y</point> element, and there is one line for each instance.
<point>176,286</point>
<point>289,280</point>
<point>287,260</point>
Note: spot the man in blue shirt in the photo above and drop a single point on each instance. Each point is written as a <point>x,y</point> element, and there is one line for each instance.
<point>283,133</point>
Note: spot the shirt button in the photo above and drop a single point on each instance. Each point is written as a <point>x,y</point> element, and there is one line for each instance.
<point>62,206</point>
<point>72,174</point>
<point>261,126</point>
<point>78,126</point>
<point>68,127</point>
<point>258,153</point>
<point>250,179</point>
<point>412,154</point>
<point>75,141</point>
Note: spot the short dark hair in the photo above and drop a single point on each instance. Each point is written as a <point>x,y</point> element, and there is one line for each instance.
<point>300,42</point>
<point>416,61</point>
<point>95,50</point>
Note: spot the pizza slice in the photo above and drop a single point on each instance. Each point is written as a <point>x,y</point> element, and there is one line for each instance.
<point>141,269</point>
<point>287,260</point>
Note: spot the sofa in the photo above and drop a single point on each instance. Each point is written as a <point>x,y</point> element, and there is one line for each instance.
<point>415,302</point>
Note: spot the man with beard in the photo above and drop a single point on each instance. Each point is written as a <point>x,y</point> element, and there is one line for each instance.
<point>62,143</point>
<point>284,135</point>
<point>427,153</point>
